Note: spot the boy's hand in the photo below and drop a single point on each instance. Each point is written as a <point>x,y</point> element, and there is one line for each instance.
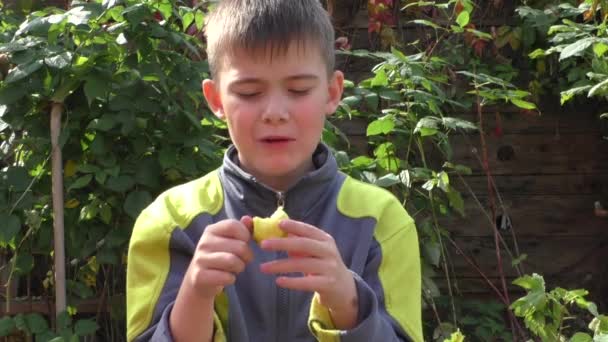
<point>314,253</point>
<point>222,253</point>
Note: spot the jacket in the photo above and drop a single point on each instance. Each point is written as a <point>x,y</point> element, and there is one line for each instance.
<point>375,236</point>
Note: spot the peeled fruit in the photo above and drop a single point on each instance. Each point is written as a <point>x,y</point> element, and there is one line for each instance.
<point>267,228</point>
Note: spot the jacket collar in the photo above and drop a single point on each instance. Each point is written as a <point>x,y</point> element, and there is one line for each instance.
<point>260,200</point>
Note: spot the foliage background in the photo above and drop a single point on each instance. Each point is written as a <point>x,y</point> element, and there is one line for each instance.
<point>127,75</point>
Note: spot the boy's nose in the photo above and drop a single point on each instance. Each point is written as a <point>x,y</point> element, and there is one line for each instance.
<point>275,112</point>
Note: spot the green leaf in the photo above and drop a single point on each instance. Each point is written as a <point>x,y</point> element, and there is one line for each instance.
<point>443,181</point>
<point>165,8</point>
<point>36,323</point>
<point>199,19</point>
<point>581,337</point>
<point>105,212</point>
<point>531,283</point>
<point>600,49</point>
<point>426,132</point>
<point>427,126</point>
<point>387,180</point>
<point>22,71</point>
<point>380,79</point>
<point>59,61</point>
<point>187,20</point>
<point>390,94</point>
<point>523,104</point>
<point>85,327</point>
<point>11,93</point>
<point>7,326</point>
<point>480,34</point>
<point>148,173</point>
<point>107,4</point>
<point>95,87</point>
<point>372,101</point>
<point>429,185</point>
<point>21,324</point>
<point>107,256</point>
<point>455,123</point>
<point>432,252</point>
<point>597,88</point>
<point>567,95</point>
<point>380,126</point>
<point>362,161</point>
<point>105,123</point>
<point>121,39</point>
<point>121,183</point>
<point>463,18</point>
<point>456,200</point>
<point>81,182</point>
<point>68,85</point>
<point>519,259</point>
<point>24,263</point>
<point>78,15</point>
<point>426,23</point>
<point>11,226</point>
<point>537,54</point>
<point>576,48</point>
<point>135,202</point>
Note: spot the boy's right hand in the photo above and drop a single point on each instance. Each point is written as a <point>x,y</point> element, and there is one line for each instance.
<point>222,252</point>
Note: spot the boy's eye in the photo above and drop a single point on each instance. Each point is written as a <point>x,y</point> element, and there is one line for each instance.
<point>299,91</point>
<point>247,95</point>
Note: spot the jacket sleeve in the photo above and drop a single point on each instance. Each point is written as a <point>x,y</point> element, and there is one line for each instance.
<point>159,254</point>
<point>389,294</point>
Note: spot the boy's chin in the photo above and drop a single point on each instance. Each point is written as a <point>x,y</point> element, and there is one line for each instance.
<point>282,169</point>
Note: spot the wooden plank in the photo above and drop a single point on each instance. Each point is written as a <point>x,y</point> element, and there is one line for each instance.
<point>477,287</point>
<point>533,216</point>
<point>553,124</point>
<point>581,257</point>
<point>535,154</point>
<point>523,154</point>
<point>556,185</point>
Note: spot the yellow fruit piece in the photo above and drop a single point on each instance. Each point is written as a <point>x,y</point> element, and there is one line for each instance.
<point>267,228</point>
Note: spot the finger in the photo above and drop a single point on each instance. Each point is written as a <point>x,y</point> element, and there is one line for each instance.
<point>232,229</point>
<point>210,278</point>
<point>222,261</point>
<point>247,221</point>
<point>296,245</point>
<point>295,265</point>
<point>221,244</point>
<point>303,229</point>
<point>310,283</point>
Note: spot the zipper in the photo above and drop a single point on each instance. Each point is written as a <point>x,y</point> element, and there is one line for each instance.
<point>280,198</point>
<point>282,293</point>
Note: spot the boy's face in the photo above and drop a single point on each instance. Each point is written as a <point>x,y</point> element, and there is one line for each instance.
<point>275,108</point>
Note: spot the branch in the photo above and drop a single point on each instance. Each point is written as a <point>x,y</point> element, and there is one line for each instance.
<point>58,200</point>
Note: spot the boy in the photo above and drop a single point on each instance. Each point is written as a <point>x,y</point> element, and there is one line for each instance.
<point>349,268</point>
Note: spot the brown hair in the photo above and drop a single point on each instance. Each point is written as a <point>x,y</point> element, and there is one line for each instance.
<point>267,24</point>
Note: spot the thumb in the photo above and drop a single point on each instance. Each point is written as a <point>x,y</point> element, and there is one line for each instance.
<point>247,221</point>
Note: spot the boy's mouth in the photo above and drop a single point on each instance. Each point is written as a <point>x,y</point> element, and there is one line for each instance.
<point>276,139</point>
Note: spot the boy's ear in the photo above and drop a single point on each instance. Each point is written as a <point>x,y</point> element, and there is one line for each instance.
<point>213,97</point>
<point>335,89</point>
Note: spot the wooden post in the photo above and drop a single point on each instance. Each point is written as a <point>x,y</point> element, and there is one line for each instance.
<point>57,191</point>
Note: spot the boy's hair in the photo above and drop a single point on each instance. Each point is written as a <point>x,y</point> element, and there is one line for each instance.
<point>267,24</point>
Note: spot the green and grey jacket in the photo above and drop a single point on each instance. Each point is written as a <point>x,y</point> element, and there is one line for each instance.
<point>374,234</point>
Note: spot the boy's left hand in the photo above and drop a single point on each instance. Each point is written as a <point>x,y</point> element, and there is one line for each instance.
<point>314,253</point>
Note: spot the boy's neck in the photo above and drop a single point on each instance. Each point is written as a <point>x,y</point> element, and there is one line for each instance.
<point>280,183</point>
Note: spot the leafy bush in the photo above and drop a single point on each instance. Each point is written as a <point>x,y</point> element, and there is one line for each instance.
<point>546,314</point>
<point>128,78</point>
